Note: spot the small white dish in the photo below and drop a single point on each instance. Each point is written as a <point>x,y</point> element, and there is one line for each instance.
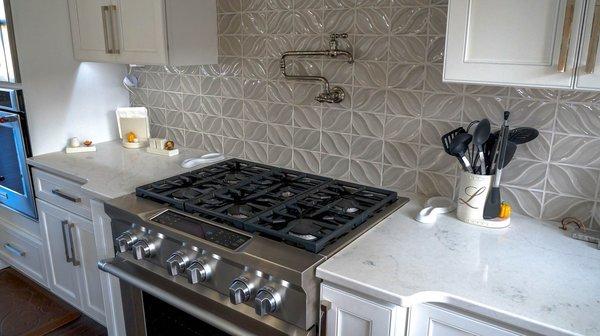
<point>193,162</point>
<point>433,207</point>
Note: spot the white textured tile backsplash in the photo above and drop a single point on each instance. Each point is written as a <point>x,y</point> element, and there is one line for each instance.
<point>387,131</point>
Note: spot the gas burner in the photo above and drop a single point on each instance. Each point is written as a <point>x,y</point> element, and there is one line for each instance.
<point>305,210</point>
<point>234,178</point>
<point>347,205</point>
<point>185,194</point>
<point>161,186</point>
<point>240,211</point>
<point>304,228</point>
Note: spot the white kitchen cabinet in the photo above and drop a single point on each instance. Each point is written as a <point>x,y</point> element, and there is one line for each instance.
<point>115,321</point>
<point>514,42</point>
<point>161,32</point>
<point>70,247</point>
<point>346,314</point>
<point>89,30</point>
<point>23,251</point>
<point>436,321</point>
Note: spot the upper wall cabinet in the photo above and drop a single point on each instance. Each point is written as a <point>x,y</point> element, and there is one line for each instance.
<point>588,71</point>
<point>538,43</point>
<point>159,32</point>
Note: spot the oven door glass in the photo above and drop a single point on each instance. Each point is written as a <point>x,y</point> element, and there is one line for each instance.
<point>9,68</point>
<point>15,185</point>
<point>164,319</point>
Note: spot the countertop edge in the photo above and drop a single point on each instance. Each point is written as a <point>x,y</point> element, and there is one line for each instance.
<point>69,176</point>
<point>433,296</point>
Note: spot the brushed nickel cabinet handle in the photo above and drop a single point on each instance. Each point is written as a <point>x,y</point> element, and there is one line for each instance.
<point>13,250</point>
<point>114,31</point>
<point>66,196</point>
<point>74,260</point>
<point>105,14</point>
<point>590,64</point>
<point>65,227</point>
<point>566,36</point>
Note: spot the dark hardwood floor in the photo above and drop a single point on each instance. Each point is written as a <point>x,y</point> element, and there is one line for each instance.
<point>82,326</point>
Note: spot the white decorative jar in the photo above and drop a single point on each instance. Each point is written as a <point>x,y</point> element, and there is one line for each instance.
<point>472,194</point>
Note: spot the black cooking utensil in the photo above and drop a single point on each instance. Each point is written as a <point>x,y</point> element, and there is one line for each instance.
<point>480,136</point>
<point>447,138</point>
<point>511,149</point>
<point>489,150</point>
<point>493,201</point>
<point>522,135</point>
<point>459,147</point>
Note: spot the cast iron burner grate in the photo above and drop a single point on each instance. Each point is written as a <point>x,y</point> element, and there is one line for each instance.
<point>304,210</point>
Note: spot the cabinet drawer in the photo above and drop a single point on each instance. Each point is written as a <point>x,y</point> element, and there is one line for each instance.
<point>350,315</point>
<point>23,252</point>
<point>61,192</point>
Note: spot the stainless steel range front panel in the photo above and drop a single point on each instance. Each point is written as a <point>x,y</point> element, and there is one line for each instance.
<point>267,268</point>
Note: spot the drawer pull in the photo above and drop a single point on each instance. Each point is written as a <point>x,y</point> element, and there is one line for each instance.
<point>566,36</point>
<point>68,242</point>
<point>74,260</point>
<point>66,196</point>
<point>593,47</point>
<point>13,250</point>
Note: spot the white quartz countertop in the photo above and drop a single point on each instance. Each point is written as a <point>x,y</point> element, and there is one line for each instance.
<point>113,171</point>
<point>531,275</point>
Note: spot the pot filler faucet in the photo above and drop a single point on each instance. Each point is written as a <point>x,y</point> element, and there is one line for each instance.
<point>330,94</point>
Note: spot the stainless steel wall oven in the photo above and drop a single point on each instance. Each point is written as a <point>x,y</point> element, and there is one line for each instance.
<point>16,191</point>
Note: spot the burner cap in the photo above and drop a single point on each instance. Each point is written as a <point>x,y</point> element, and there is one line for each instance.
<point>240,211</point>
<point>304,229</point>
<point>348,205</point>
<point>185,194</point>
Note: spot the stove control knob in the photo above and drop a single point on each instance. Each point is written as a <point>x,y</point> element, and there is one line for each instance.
<point>177,262</point>
<point>199,271</point>
<point>126,240</point>
<point>239,291</point>
<point>143,249</point>
<point>267,301</point>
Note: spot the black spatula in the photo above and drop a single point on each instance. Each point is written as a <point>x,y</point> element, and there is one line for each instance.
<point>522,135</point>
<point>448,137</point>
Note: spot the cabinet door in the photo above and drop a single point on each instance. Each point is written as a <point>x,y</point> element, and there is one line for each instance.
<point>141,31</point>
<point>513,42</point>
<point>90,30</point>
<point>92,301</point>
<point>588,71</point>
<point>350,315</point>
<point>62,277</point>
<point>434,321</point>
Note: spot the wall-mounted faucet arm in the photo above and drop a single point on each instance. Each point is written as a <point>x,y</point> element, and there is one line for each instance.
<point>329,95</point>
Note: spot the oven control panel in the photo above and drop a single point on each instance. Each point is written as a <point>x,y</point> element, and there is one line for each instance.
<point>200,267</point>
<point>214,234</point>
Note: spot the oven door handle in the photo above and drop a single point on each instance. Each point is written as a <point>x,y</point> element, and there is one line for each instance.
<point>124,270</point>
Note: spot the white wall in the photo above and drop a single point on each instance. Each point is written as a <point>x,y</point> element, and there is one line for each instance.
<point>63,97</point>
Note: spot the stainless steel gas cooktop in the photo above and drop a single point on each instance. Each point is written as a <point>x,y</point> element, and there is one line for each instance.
<point>245,231</point>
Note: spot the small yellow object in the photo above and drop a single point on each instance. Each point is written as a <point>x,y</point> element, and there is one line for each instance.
<point>131,137</point>
<point>505,210</point>
<point>169,145</point>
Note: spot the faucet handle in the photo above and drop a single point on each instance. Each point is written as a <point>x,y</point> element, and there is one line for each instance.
<point>334,96</point>
<point>333,43</point>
